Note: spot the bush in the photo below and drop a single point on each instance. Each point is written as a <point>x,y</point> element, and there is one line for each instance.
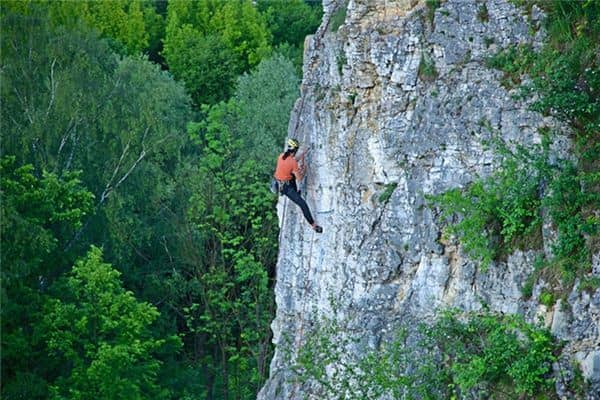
<point>547,298</point>
<point>496,212</point>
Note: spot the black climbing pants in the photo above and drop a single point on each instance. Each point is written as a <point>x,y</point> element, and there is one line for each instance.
<point>291,191</point>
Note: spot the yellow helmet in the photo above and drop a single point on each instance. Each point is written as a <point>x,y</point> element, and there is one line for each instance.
<point>293,144</point>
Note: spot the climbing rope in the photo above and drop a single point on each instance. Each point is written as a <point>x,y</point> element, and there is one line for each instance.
<point>317,42</point>
<point>381,19</point>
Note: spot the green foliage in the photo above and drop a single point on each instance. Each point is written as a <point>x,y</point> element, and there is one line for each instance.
<point>589,284</point>
<point>290,21</point>
<point>203,62</point>
<point>427,71</point>
<point>322,362</point>
<point>88,109</point>
<point>487,350</point>
<point>208,38</point>
<point>261,122</point>
<point>578,384</point>
<point>506,207</point>
<point>387,192</point>
<point>499,210</point>
<point>189,223</point>
<point>37,214</point>
<point>432,5</point>
<point>234,214</point>
<point>102,334</point>
<point>565,73</point>
<point>483,14</point>
<point>127,23</point>
<point>477,355</point>
<point>565,77</point>
<point>224,289</point>
<point>74,105</point>
<point>341,60</point>
<point>539,264</point>
<point>59,77</point>
<point>547,298</point>
<point>514,62</point>
<point>338,18</point>
<point>566,202</point>
<point>42,208</point>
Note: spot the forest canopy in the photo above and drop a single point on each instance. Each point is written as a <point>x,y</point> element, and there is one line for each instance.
<point>138,235</point>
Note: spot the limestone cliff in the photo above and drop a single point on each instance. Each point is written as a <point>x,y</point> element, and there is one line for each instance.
<point>396,99</point>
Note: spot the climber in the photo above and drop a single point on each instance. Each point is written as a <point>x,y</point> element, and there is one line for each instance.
<point>287,173</point>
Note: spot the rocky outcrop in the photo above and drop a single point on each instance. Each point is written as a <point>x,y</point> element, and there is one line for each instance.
<point>398,103</point>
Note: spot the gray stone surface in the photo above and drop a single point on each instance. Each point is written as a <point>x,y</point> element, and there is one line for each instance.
<point>371,120</point>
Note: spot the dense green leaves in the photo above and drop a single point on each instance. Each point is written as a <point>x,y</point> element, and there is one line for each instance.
<point>233,212</point>
<point>128,24</point>
<point>498,211</point>
<point>104,333</point>
<point>488,352</point>
<point>208,43</point>
<point>203,62</point>
<point>570,203</point>
<point>263,101</point>
<point>95,152</point>
<point>38,214</point>
<point>72,104</point>
<point>290,21</point>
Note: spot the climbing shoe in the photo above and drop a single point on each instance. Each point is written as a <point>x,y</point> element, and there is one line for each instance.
<point>317,228</point>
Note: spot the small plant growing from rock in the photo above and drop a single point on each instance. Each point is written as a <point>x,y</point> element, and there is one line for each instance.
<point>341,60</point>
<point>338,18</point>
<point>387,193</point>
<point>483,14</point>
<point>352,97</point>
<point>547,298</point>
<point>427,71</point>
<point>432,5</point>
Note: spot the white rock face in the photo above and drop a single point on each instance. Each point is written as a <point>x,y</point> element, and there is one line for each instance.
<point>375,119</point>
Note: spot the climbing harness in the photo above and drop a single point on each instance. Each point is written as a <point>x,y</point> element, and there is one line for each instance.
<point>277,186</point>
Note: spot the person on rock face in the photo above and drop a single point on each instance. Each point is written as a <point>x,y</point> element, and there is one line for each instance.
<point>287,172</point>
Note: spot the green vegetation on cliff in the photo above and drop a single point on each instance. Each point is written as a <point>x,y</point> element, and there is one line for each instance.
<point>508,207</point>
<point>457,356</point>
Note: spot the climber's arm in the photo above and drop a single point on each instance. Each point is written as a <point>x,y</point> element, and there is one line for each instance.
<point>298,171</point>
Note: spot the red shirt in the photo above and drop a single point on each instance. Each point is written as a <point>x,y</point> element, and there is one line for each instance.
<point>285,168</point>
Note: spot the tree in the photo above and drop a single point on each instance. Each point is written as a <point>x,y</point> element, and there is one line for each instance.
<point>203,62</point>
<point>208,39</point>
<point>37,213</point>
<point>228,238</point>
<point>130,25</point>
<point>232,304</point>
<point>264,99</point>
<point>290,21</point>
<point>69,103</point>
<point>103,336</point>
<point>244,30</point>
<point>74,105</point>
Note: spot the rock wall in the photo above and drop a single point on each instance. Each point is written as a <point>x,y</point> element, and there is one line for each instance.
<point>400,101</point>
